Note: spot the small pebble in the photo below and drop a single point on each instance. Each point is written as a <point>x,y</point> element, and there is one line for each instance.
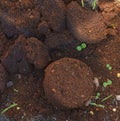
<point>19,76</point>
<point>114,109</point>
<point>96,82</point>
<point>15,90</point>
<point>18,108</point>
<point>9,84</point>
<point>91,112</point>
<point>88,103</point>
<point>118,75</point>
<point>118,97</point>
<point>54,90</point>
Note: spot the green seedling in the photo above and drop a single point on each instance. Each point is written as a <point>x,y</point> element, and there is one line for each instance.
<point>97,96</point>
<point>82,2</point>
<point>81,47</point>
<point>6,109</point>
<point>108,66</point>
<point>105,84</point>
<point>78,48</point>
<point>97,105</point>
<point>94,4</point>
<point>108,83</point>
<point>106,98</point>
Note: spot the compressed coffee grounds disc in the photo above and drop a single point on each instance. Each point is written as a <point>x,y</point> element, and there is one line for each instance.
<point>68,83</point>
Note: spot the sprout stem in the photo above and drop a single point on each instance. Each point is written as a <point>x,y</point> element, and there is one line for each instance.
<point>97,105</point>
<point>82,2</point>
<point>106,98</point>
<point>6,109</point>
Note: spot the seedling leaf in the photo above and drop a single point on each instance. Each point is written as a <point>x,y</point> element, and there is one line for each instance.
<point>105,84</point>
<point>109,82</point>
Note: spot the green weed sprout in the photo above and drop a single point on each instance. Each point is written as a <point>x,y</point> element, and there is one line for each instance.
<point>97,95</point>
<point>106,98</point>
<point>78,48</point>
<point>108,66</point>
<point>81,47</point>
<point>97,105</point>
<point>92,2</point>
<point>108,83</point>
<point>82,2</point>
<point>6,109</point>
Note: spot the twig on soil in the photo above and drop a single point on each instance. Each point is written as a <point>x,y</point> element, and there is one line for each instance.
<point>6,109</point>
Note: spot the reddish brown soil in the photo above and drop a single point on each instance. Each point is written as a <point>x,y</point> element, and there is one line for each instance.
<point>84,24</point>
<point>68,83</point>
<point>24,53</point>
<point>46,21</point>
